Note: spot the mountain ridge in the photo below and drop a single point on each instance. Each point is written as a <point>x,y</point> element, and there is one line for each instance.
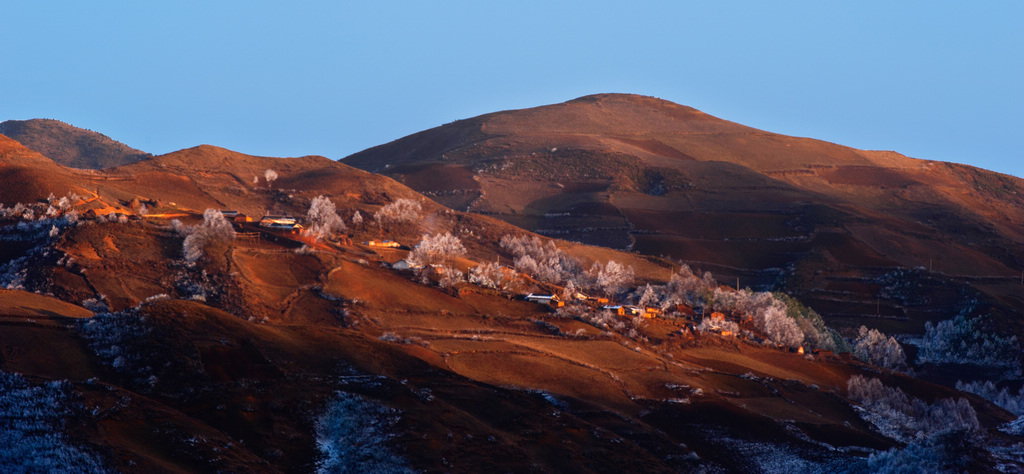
<point>659,178</point>
<point>71,146</point>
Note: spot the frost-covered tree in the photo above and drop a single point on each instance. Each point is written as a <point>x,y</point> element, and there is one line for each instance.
<point>1005,398</point>
<point>778,326</point>
<point>816,334</point>
<point>907,418</point>
<point>873,347</point>
<point>487,275</point>
<point>357,219</point>
<point>353,436</point>
<point>323,218</point>
<point>439,249</point>
<point>270,175</point>
<point>543,261</point>
<point>448,277</point>
<point>613,277</point>
<point>686,288</point>
<point>400,211</point>
<point>33,419</point>
<point>768,314</point>
<point>964,341</point>
<point>493,275</point>
<point>215,228</point>
<point>648,297</point>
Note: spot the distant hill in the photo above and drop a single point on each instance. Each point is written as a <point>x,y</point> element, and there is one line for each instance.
<point>71,146</point>
<point>829,223</point>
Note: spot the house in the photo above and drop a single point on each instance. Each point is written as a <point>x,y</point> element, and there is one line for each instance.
<point>242,218</point>
<point>403,265</point>
<point>279,222</point>
<point>382,243</point>
<point>229,214</point>
<point>650,312</point>
<point>550,300</point>
<point>629,311</point>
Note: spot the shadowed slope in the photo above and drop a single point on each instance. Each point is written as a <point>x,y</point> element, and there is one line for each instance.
<point>824,221</point>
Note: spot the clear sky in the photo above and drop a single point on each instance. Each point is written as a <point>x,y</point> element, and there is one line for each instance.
<point>936,80</point>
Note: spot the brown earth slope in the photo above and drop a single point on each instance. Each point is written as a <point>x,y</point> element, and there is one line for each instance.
<point>834,225</point>
<point>479,381</point>
<point>228,363</point>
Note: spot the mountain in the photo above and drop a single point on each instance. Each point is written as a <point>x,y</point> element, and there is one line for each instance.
<point>139,331</point>
<point>833,225</point>
<point>71,146</point>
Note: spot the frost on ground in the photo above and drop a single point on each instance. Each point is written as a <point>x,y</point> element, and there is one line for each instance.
<point>353,436</point>
<point>31,429</point>
<point>118,340</point>
<point>943,436</point>
<point>147,354</point>
<point>780,458</point>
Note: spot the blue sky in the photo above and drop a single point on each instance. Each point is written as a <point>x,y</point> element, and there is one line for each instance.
<point>935,80</point>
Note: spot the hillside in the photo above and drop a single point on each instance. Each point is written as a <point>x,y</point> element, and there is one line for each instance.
<point>69,145</point>
<point>831,224</point>
<point>141,331</point>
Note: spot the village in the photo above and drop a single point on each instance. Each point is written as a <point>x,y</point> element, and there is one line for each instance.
<point>621,306</point>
